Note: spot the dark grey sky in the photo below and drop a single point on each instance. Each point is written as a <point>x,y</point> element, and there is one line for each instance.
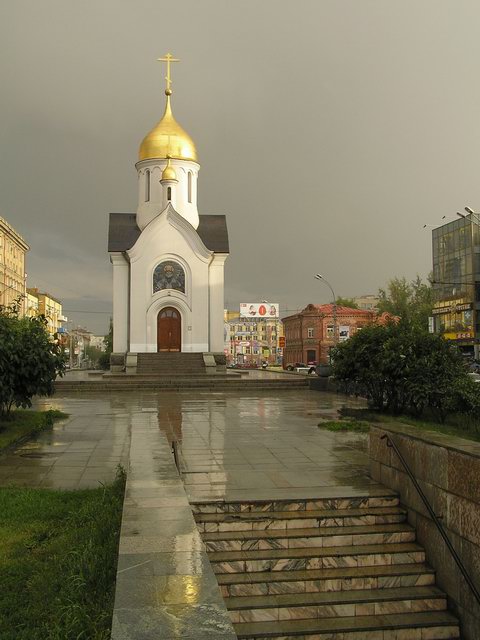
<point>328,132</point>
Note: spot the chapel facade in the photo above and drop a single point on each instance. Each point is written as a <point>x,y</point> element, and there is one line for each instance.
<point>168,261</point>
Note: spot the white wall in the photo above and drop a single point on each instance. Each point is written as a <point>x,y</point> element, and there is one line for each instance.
<point>147,211</point>
<point>216,278</point>
<point>169,237</point>
<point>120,302</point>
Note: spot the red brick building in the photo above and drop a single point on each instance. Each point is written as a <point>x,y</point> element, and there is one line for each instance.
<point>309,334</point>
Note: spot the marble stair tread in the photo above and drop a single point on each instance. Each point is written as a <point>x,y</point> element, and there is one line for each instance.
<point>350,624</point>
<point>309,552</point>
<point>241,516</point>
<point>387,570</point>
<point>239,501</point>
<point>356,596</point>
<point>314,532</point>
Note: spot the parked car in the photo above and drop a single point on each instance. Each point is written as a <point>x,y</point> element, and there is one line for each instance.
<point>300,367</point>
<point>291,366</point>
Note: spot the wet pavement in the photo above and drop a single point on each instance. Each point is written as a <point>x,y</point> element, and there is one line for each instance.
<point>77,453</point>
<point>252,446</point>
<point>231,444</point>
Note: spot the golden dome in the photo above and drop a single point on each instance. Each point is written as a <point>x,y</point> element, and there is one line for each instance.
<point>168,138</point>
<point>169,172</point>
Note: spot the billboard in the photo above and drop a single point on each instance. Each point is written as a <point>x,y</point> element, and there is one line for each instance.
<point>259,310</point>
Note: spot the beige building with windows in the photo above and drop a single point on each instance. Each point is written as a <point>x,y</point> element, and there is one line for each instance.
<point>13,249</point>
<point>253,340</point>
<point>32,305</point>
<point>368,302</point>
<point>42,303</point>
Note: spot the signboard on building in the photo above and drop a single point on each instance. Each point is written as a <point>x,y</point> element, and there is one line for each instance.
<point>259,310</point>
<point>453,308</point>
<point>461,335</point>
<point>343,333</point>
<point>281,342</point>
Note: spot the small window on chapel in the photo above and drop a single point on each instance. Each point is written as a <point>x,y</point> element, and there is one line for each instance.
<point>169,193</point>
<point>147,185</point>
<point>189,186</point>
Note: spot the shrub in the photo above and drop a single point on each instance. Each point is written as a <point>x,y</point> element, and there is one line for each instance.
<point>29,359</point>
<point>402,368</point>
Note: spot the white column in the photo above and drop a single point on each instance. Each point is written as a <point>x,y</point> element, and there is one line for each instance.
<point>120,302</point>
<point>216,303</point>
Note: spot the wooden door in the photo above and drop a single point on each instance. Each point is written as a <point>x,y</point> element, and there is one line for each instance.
<point>169,330</point>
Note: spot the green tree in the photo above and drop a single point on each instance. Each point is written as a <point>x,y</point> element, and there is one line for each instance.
<point>346,302</point>
<point>411,301</point>
<point>403,368</point>
<point>104,359</point>
<point>93,354</point>
<point>29,359</point>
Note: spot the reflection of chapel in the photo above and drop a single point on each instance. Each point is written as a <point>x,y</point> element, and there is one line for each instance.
<point>168,260</point>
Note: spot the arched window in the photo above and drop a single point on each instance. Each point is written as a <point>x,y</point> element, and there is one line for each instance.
<point>147,185</point>
<point>169,193</point>
<point>169,275</point>
<point>189,186</point>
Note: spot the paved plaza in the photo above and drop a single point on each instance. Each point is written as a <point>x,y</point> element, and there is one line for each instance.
<point>231,444</point>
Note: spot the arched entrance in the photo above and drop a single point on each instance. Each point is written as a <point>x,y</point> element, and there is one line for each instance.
<point>169,330</point>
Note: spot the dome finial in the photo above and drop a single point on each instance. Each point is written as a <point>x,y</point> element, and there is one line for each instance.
<point>168,138</point>
<point>168,58</point>
<point>169,172</point>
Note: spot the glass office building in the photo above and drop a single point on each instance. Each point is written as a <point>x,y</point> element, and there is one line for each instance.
<point>456,277</point>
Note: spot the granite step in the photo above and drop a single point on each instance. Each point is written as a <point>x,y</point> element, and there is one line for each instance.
<point>329,504</point>
<point>175,385</point>
<point>298,606</point>
<point>431,625</point>
<point>299,538</point>
<point>316,558</point>
<point>257,520</point>
<point>336,579</point>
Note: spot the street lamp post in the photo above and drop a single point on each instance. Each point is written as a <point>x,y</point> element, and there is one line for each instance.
<point>320,277</point>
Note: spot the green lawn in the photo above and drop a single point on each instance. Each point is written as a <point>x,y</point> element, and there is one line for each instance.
<point>456,425</point>
<point>58,556</point>
<point>358,426</point>
<point>21,424</point>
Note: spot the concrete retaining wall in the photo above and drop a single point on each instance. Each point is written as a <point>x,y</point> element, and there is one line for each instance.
<point>448,471</point>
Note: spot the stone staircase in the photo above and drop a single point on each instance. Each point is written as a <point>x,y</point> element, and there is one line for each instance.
<point>168,364</point>
<point>329,569</point>
<point>192,382</point>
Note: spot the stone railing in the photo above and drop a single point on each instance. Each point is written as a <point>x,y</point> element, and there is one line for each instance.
<point>448,471</point>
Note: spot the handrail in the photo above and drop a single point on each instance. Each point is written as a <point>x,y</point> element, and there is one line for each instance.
<point>435,518</point>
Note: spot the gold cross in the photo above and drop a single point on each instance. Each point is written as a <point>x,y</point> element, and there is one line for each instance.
<point>168,58</point>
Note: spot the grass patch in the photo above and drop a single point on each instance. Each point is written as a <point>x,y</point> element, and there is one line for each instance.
<point>58,557</point>
<point>21,424</point>
<point>456,425</point>
<point>358,426</point>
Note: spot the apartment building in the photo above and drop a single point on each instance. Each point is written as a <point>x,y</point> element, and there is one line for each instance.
<point>13,249</point>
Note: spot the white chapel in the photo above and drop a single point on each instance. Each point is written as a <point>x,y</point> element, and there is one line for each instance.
<point>168,261</point>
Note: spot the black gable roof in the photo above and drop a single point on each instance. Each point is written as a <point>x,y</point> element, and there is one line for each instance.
<point>214,233</point>
<point>123,232</point>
